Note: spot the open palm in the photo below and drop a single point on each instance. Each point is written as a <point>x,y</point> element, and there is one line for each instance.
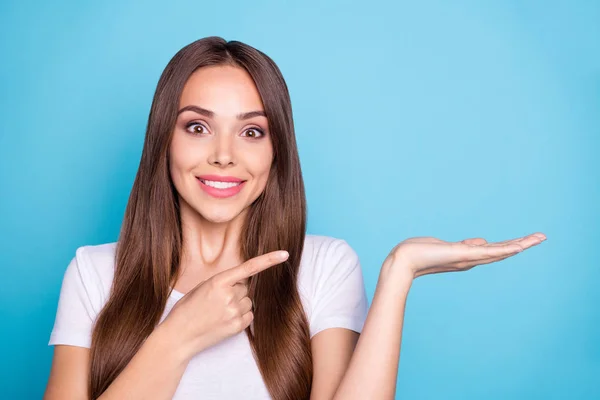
<point>428,255</point>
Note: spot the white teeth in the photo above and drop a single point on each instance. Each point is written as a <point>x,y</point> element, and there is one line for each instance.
<point>220,185</point>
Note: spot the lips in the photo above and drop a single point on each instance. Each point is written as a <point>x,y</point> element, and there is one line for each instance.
<point>218,178</point>
<point>221,192</point>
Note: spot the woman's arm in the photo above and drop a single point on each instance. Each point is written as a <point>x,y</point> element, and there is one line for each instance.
<point>214,310</point>
<point>154,371</point>
<point>373,368</point>
<point>68,373</point>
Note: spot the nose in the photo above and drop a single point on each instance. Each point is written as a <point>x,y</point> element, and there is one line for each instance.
<point>222,152</point>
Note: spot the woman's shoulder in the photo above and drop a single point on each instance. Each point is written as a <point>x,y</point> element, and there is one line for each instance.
<point>95,265</point>
<point>98,252</point>
<point>85,288</point>
<point>331,285</point>
<point>97,256</point>
<point>321,247</point>
<point>325,257</point>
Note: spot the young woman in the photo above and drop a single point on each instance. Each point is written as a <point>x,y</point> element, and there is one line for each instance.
<point>213,290</point>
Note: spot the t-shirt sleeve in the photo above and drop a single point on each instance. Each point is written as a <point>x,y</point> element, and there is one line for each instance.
<point>76,310</point>
<point>340,297</point>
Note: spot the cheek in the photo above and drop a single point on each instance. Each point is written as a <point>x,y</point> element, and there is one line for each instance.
<point>180,162</point>
<point>183,156</point>
<point>260,164</point>
<point>175,161</point>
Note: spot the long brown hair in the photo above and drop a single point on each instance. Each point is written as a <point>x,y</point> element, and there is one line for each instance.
<point>150,241</point>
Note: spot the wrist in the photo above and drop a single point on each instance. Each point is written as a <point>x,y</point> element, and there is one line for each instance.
<point>396,275</point>
<point>166,337</point>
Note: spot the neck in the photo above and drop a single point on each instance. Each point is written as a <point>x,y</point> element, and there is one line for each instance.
<point>207,244</point>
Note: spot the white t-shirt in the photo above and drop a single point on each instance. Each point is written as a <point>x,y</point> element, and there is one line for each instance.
<point>331,287</point>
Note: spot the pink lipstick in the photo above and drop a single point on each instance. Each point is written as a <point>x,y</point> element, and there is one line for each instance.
<point>226,186</point>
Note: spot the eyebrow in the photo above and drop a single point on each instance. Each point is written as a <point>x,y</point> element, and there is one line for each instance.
<point>210,114</point>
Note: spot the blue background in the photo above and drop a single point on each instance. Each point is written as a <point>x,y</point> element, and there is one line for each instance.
<point>446,119</point>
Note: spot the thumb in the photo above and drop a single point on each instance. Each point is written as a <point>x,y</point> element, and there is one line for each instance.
<point>474,241</point>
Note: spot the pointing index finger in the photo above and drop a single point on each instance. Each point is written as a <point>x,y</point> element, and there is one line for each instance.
<point>253,266</point>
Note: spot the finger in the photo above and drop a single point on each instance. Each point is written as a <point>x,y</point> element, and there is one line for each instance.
<point>246,305</point>
<point>241,290</point>
<point>474,241</point>
<point>508,247</point>
<point>247,319</point>
<point>485,252</point>
<point>423,239</point>
<point>252,267</point>
<point>525,242</point>
<point>503,242</point>
<point>540,236</point>
<point>498,251</point>
<point>467,265</point>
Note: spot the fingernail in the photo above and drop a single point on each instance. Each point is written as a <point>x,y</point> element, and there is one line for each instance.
<point>282,255</point>
<point>541,236</point>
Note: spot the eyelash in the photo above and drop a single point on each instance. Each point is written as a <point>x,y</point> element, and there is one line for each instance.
<point>262,133</point>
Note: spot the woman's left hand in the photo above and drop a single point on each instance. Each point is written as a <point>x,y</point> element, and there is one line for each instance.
<point>419,256</point>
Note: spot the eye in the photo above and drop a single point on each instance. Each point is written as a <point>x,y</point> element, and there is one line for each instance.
<point>196,128</point>
<point>256,132</point>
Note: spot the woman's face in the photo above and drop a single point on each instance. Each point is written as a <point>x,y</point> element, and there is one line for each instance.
<point>221,151</point>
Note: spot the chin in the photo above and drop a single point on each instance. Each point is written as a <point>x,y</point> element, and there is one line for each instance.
<point>220,216</point>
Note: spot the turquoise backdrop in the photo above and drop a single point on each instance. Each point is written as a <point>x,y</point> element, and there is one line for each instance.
<point>446,119</point>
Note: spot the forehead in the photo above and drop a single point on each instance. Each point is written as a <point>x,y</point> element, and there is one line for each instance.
<point>222,89</point>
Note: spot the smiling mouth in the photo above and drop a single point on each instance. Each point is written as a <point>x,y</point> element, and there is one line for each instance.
<point>220,185</point>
